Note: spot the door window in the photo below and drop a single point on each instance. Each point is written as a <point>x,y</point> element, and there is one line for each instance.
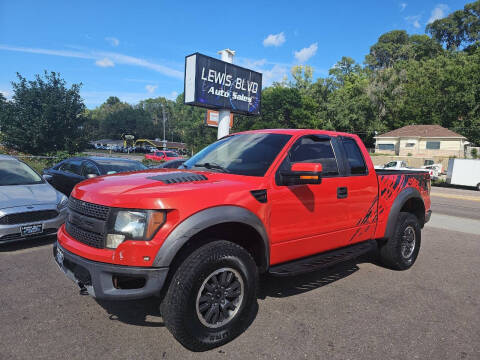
<point>311,149</point>
<point>356,162</point>
<point>72,166</point>
<point>89,168</point>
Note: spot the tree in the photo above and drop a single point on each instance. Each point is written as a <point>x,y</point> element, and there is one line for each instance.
<point>460,28</point>
<point>397,45</point>
<point>342,69</point>
<point>128,120</point>
<point>390,48</point>
<point>44,115</point>
<point>302,77</point>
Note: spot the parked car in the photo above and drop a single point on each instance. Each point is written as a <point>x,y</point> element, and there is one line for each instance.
<point>268,201</point>
<point>29,206</point>
<point>430,164</point>
<point>66,174</point>
<point>393,165</point>
<point>163,155</point>
<point>402,165</point>
<point>171,164</point>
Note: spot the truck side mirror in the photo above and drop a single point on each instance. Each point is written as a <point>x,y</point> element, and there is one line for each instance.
<point>303,173</point>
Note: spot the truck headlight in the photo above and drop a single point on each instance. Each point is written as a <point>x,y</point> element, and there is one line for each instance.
<point>134,225</point>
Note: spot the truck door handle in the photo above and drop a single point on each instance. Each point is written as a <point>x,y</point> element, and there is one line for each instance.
<point>342,192</point>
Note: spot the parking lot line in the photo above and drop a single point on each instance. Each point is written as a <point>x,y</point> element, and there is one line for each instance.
<point>454,223</point>
<point>454,196</point>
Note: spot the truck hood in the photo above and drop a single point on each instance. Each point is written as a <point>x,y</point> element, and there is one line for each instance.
<point>24,195</point>
<point>154,188</point>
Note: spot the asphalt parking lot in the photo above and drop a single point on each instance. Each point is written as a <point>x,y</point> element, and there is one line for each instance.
<point>358,310</point>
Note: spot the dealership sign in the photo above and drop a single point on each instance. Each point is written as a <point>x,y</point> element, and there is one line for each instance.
<point>216,84</point>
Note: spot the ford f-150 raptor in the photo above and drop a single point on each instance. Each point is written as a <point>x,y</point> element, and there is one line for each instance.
<point>276,201</point>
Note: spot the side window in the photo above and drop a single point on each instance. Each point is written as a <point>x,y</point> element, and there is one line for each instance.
<point>72,166</point>
<point>89,168</point>
<point>356,162</point>
<point>312,149</point>
<point>65,167</point>
<point>433,145</point>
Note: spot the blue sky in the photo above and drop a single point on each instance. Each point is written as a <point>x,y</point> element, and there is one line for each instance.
<point>136,50</point>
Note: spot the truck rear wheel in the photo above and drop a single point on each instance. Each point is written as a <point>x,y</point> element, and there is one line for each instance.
<point>211,296</point>
<point>401,250</point>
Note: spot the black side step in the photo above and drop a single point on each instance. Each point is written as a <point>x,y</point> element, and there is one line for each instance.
<point>322,260</point>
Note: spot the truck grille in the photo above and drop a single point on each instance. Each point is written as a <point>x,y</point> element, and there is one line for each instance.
<point>27,217</point>
<point>88,238</point>
<point>79,229</point>
<point>88,209</point>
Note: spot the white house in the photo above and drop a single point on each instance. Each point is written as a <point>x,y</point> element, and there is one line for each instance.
<point>421,140</point>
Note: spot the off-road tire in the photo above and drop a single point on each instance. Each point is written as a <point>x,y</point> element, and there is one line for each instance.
<point>391,252</point>
<point>179,307</point>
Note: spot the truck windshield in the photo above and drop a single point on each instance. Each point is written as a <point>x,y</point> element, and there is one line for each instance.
<point>241,154</point>
<point>14,172</point>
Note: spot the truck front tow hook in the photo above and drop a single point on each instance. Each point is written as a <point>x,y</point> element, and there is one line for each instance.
<point>83,289</point>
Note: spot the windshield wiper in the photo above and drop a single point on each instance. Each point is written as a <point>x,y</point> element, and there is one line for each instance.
<point>210,165</point>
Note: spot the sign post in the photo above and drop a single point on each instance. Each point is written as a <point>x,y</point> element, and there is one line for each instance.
<point>224,114</point>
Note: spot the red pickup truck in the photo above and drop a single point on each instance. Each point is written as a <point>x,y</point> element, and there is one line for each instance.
<point>269,201</point>
<point>163,155</point>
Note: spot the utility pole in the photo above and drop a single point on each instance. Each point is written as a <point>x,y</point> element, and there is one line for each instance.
<point>224,114</point>
<point>164,119</point>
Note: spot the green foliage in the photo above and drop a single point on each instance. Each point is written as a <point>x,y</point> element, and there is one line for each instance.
<point>43,116</point>
<point>461,27</point>
<point>474,153</point>
<point>397,45</point>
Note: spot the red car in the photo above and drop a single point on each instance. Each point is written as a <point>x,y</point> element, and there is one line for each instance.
<point>268,201</point>
<point>163,155</point>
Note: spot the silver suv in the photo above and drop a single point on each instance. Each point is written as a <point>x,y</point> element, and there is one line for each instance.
<point>29,206</point>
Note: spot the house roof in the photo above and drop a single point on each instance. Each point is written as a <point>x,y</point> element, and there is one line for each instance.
<point>421,131</point>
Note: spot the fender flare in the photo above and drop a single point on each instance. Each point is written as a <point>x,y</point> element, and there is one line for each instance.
<point>402,198</point>
<point>203,220</point>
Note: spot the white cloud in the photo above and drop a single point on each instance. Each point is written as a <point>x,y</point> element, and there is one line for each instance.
<point>113,41</point>
<point>438,12</point>
<point>414,20</point>
<point>105,62</point>
<point>100,55</point>
<point>276,74</point>
<point>402,6</point>
<point>5,93</point>
<point>250,63</point>
<point>271,72</point>
<point>151,88</point>
<point>172,96</point>
<point>274,40</point>
<point>306,53</point>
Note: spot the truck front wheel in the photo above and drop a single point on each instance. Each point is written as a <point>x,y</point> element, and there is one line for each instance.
<point>211,296</point>
<point>401,250</point>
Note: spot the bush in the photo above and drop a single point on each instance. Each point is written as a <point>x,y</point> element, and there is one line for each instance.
<point>474,153</point>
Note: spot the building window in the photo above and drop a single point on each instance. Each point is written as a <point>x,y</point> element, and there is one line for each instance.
<point>410,145</point>
<point>389,147</point>
<point>433,145</point>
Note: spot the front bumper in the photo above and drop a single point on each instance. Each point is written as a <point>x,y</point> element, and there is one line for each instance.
<point>99,278</point>
<point>12,233</point>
